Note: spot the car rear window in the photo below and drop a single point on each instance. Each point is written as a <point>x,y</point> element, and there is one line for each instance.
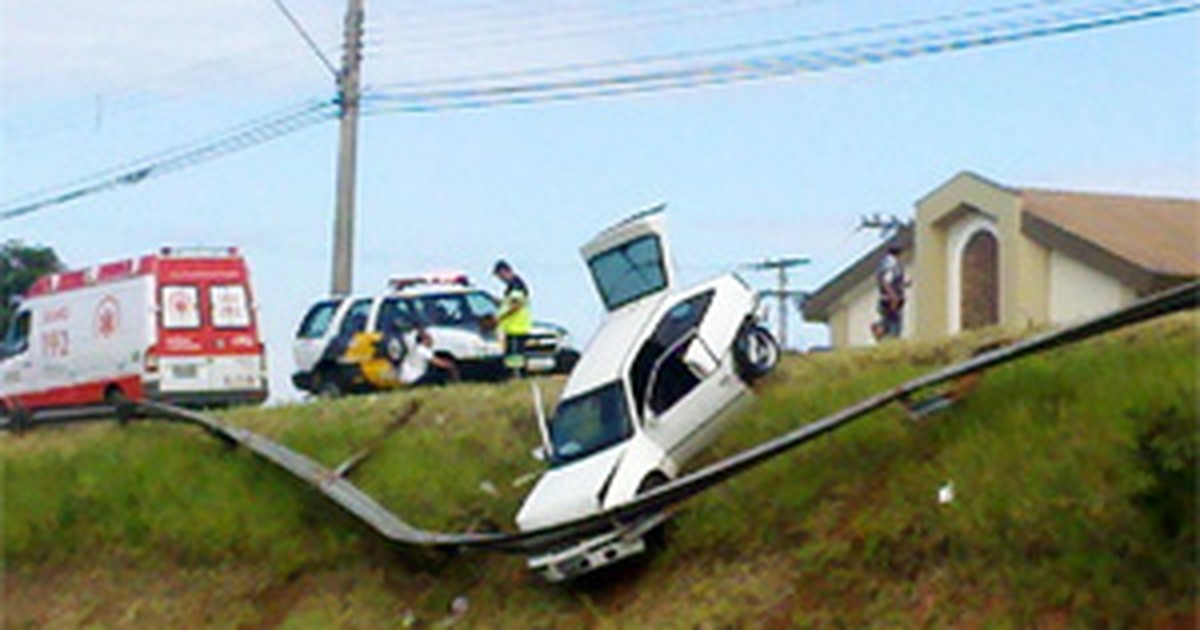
<point>629,272</point>
<point>229,306</point>
<point>316,322</point>
<point>180,307</point>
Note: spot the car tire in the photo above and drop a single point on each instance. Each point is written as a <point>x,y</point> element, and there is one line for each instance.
<point>326,385</point>
<point>657,537</point>
<point>115,397</point>
<point>394,350</point>
<point>755,352</point>
<point>565,361</point>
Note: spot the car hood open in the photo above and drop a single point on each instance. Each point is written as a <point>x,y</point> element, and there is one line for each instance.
<point>570,491</point>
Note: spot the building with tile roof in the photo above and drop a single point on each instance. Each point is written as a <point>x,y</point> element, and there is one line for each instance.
<point>982,254</point>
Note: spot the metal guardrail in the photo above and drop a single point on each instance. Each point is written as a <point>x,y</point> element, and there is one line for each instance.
<point>355,501</point>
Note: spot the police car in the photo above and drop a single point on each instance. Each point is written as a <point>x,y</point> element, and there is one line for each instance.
<point>349,344</point>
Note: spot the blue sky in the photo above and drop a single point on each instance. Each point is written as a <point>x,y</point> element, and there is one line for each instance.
<point>751,170</point>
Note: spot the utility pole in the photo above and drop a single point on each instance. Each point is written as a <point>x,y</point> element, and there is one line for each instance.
<point>348,106</point>
<point>887,226</point>
<point>780,266</point>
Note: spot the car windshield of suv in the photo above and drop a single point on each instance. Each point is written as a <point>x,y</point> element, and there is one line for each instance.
<point>589,423</point>
<point>482,305</point>
<point>629,272</point>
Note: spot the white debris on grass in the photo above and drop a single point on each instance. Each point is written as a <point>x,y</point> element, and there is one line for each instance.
<point>945,494</point>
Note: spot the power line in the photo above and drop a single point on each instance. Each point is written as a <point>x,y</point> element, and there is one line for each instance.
<point>745,47</point>
<point>312,44</point>
<point>681,78</point>
<point>558,27</point>
<point>135,172</point>
<point>768,67</point>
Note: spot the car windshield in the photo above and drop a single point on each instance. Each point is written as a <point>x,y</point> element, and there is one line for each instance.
<point>629,272</point>
<point>589,423</point>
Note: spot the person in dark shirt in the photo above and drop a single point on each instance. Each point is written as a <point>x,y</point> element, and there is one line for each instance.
<point>891,284</point>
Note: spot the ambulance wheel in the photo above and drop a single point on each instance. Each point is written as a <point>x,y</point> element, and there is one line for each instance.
<point>755,352</point>
<point>122,407</point>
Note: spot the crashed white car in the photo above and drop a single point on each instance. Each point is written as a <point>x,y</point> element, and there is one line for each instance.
<point>653,387</point>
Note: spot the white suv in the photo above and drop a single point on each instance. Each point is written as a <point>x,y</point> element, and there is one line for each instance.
<point>653,387</point>
<point>459,317</point>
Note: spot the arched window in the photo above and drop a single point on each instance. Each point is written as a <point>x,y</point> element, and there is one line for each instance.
<point>980,273</point>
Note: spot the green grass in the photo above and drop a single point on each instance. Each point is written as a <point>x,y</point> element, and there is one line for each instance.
<point>1074,475</point>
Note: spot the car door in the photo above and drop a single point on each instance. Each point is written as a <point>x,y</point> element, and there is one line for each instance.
<point>690,384</point>
<point>630,261</point>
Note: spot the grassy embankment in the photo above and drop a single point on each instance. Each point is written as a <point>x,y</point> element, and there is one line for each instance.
<point>1074,476</point>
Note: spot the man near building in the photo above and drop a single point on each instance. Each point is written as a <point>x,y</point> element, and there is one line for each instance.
<point>891,283</point>
<point>514,320</point>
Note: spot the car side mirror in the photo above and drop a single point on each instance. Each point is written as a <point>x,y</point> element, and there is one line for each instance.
<point>699,359</point>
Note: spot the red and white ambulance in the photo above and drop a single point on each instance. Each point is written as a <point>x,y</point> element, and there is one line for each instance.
<point>179,326</point>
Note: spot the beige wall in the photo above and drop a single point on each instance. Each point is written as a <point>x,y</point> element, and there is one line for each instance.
<point>945,218</point>
<point>1079,291</point>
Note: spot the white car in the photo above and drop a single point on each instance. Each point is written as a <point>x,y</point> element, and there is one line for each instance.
<point>460,319</point>
<point>654,386</point>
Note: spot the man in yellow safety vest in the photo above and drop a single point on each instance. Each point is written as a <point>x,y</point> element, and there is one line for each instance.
<point>515,320</point>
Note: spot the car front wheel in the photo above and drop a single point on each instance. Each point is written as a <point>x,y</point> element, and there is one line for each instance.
<point>755,351</point>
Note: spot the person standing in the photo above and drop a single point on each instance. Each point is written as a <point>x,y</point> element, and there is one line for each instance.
<point>891,284</point>
<point>515,319</point>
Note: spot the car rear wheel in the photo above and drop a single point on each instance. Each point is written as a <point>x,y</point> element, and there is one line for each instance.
<point>755,351</point>
<point>327,385</point>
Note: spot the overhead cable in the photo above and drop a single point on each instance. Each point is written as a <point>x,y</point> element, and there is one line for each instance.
<point>712,51</point>
<point>175,159</point>
<point>760,68</point>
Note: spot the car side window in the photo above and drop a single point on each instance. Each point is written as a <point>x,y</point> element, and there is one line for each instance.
<point>353,323</point>
<point>659,376</point>
<point>396,316</point>
<point>444,310</point>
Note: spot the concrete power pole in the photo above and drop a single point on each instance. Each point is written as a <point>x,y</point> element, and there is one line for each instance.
<point>780,266</point>
<point>348,102</point>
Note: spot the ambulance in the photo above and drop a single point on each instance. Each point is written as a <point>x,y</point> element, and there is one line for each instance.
<point>179,326</point>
